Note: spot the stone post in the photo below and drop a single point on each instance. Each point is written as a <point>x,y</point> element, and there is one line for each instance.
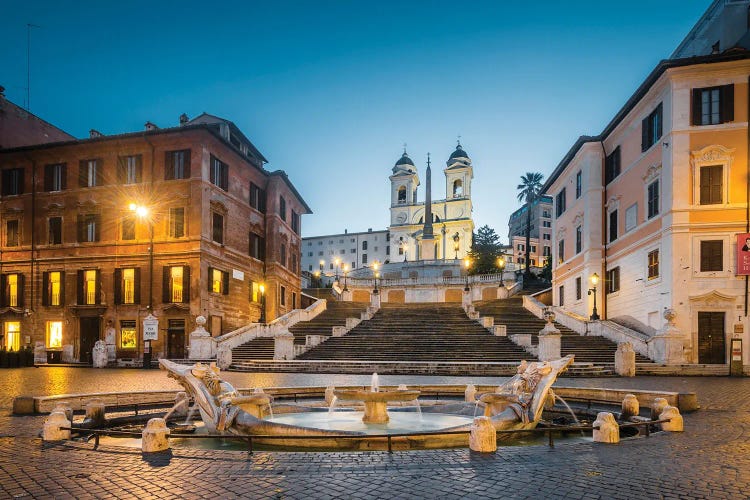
<point>466,299</point>
<point>224,356</point>
<point>470,394</point>
<point>675,423</point>
<point>346,295</point>
<point>338,331</point>
<point>329,394</point>
<point>95,412</point>
<point>483,437</point>
<point>666,347</point>
<point>40,353</point>
<point>64,408</point>
<point>499,330</point>
<point>283,345</point>
<point>630,407</point>
<point>487,321</point>
<point>99,354</point>
<point>202,345</point>
<point>155,436</point>
<point>608,431</point>
<point>53,427</point>
<point>521,339</point>
<point>625,360</point>
<point>502,292</point>
<point>549,339</point>
<point>375,299</point>
<point>657,407</point>
<point>352,322</point>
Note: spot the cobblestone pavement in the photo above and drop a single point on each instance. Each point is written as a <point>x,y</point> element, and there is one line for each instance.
<point>710,460</point>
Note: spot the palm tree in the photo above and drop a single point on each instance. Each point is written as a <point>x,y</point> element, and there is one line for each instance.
<point>528,191</point>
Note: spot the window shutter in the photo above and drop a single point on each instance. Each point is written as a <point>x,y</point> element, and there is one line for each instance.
<point>21,185</point>
<point>45,288</point>
<point>63,177</point>
<point>224,176</point>
<point>79,291</point>
<point>80,223</point>
<point>138,168</point>
<point>121,170</point>
<point>98,287</point>
<point>137,285</point>
<point>697,110</point>
<point>118,285</point>
<point>165,295</point>
<point>97,226</point>
<point>210,278</point>
<point>83,173</point>
<point>21,278</point>
<point>3,290</point>
<point>168,165</point>
<point>48,177</point>
<point>62,288</point>
<point>186,167</point>
<point>659,119</point>
<point>225,282</point>
<point>262,246</point>
<point>727,103</point>
<point>644,134</point>
<point>185,283</point>
<point>99,172</point>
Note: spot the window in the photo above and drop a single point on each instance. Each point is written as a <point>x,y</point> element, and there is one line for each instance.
<point>364,258</point>
<point>12,181</point>
<point>561,295</point>
<point>128,335</point>
<point>613,280</point>
<point>12,233</point>
<point>218,281</point>
<point>282,208</point>
<point>54,334</point>
<point>532,250</point>
<point>713,105</point>
<point>177,164</point>
<point>295,223</point>
<point>387,250</point>
<point>255,291</point>
<point>53,287</point>
<point>546,236</point>
<point>282,297</point>
<point>712,255</point>
<point>282,255</point>
<point>176,222</point>
<point>613,225</point>
<point>579,184</point>
<point>579,240</point>
<point>88,228</point>
<point>364,245</point>
<point>12,336</point>
<point>128,227</point>
<point>128,285</point>
<point>11,290</point>
<point>712,185</point>
<point>176,284</point>
<point>560,203</point>
<point>546,223</point>
<point>219,175</point>
<point>458,188</point>
<point>257,246</point>
<point>293,265</point>
<point>631,217</point>
<point>400,250</point>
<point>55,177</point>
<point>578,288</point>
<point>294,300</point>
<point>612,166</point>
<point>309,254</point>
<point>89,173</point>
<point>129,169</point>
<point>561,251</point>
<point>320,253</point>
<point>521,247</point>
<point>353,250</point>
<point>545,213</point>
<point>55,231</point>
<point>653,264</point>
<point>88,287</point>
<point>257,198</point>
<point>653,198</point>
<point>217,228</point>
<point>547,251</point>
<point>651,128</point>
<point>401,195</point>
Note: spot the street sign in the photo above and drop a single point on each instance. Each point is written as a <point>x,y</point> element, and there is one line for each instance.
<point>150,328</point>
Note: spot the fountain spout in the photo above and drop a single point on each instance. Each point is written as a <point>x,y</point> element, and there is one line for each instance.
<point>375,384</point>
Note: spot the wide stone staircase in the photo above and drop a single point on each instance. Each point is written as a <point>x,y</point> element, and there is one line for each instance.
<point>593,355</point>
<point>418,333</point>
<point>334,315</point>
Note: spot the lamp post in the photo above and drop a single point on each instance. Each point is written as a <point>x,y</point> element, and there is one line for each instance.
<point>346,271</point>
<point>337,263</point>
<point>143,213</point>
<point>467,264</point>
<point>594,281</point>
<point>375,274</point>
<point>501,266</point>
<point>262,303</point>
<point>456,237</point>
<point>317,279</point>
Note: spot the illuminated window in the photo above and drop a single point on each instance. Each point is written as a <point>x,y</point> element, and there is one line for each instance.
<point>129,169</point>
<point>13,290</point>
<point>55,284</point>
<point>13,335</point>
<point>216,281</point>
<point>653,264</point>
<point>89,287</point>
<point>54,334</point>
<point>176,283</point>
<point>254,291</point>
<point>128,335</point>
<point>128,286</point>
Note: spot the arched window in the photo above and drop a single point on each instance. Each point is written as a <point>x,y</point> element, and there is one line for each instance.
<point>458,188</point>
<point>402,194</point>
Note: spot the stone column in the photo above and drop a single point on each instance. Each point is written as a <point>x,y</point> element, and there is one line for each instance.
<point>202,345</point>
<point>154,437</point>
<point>625,360</point>
<point>283,345</point>
<point>549,339</point>
<point>483,437</point>
<point>666,347</point>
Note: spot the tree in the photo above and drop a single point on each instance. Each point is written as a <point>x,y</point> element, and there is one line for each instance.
<point>485,249</point>
<point>528,192</point>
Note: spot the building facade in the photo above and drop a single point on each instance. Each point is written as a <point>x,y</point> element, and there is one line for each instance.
<point>540,234</point>
<point>330,253</point>
<point>19,127</point>
<point>96,234</point>
<point>657,207</point>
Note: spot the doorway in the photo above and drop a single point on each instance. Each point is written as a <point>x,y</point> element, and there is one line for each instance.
<point>89,334</point>
<point>711,343</point>
<point>176,339</point>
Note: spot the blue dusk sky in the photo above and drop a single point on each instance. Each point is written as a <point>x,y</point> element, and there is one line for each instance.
<point>329,91</point>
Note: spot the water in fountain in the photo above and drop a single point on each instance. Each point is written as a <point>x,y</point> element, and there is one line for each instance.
<point>178,404</point>
<point>375,384</point>
<point>569,409</point>
<point>419,409</point>
<point>476,407</point>
<point>332,406</point>
<point>189,418</point>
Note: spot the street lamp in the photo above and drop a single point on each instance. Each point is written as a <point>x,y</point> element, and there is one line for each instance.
<point>375,273</point>
<point>594,281</point>
<point>337,261</point>
<point>346,271</point>
<point>317,279</point>
<point>262,289</point>
<point>143,213</point>
<point>456,237</point>
<point>467,264</point>
<point>501,266</point>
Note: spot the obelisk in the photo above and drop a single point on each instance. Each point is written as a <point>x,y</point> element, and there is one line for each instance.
<point>428,237</point>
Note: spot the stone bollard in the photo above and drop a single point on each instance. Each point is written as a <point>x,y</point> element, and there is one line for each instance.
<point>64,408</point>
<point>609,431</point>
<point>630,407</point>
<point>470,394</point>
<point>625,360</point>
<point>657,407</point>
<point>154,436</point>
<point>329,394</point>
<point>99,354</point>
<point>95,412</point>
<point>483,437</point>
<point>550,341</point>
<point>52,430</point>
<point>181,404</point>
<point>675,423</point>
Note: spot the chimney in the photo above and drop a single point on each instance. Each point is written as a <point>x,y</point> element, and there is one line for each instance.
<point>183,119</point>
<point>95,133</point>
<point>346,231</point>
<point>2,91</point>
<point>151,126</point>
<point>369,229</point>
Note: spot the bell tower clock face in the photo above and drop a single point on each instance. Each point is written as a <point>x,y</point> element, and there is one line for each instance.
<point>401,217</point>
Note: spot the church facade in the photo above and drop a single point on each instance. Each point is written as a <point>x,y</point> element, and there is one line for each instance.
<point>452,224</point>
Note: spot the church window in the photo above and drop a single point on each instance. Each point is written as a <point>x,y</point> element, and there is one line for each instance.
<point>458,188</point>
<point>402,194</point>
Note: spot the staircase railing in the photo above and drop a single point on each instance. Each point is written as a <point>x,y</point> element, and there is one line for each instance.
<point>426,280</point>
<point>618,333</point>
<point>534,306</point>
